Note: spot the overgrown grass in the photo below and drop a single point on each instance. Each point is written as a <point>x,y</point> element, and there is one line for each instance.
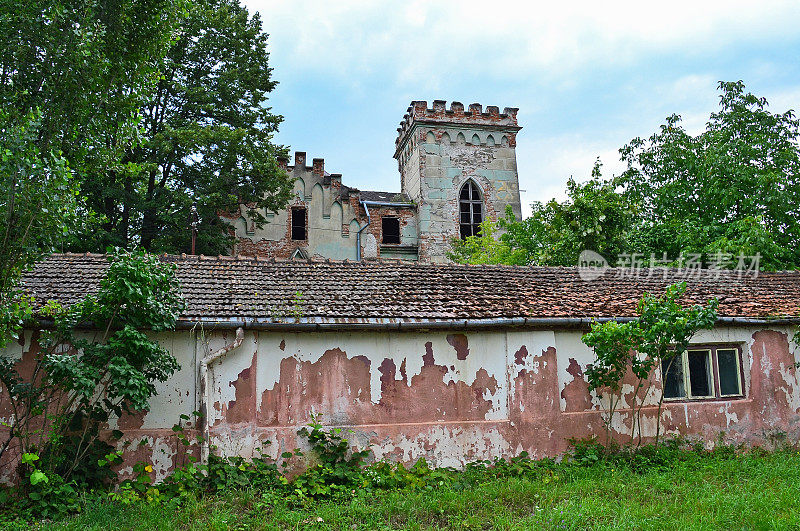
<point>690,490</point>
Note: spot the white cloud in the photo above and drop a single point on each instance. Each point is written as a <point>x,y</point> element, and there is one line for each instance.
<point>546,163</point>
<point>587,76</point>
<point>425,40</point>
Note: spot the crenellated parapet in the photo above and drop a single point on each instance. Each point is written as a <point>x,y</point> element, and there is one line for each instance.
<point>440,150</point>
<point>474,116</point>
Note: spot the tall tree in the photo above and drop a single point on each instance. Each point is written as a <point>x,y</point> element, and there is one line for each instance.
<point>207,141</point>
<point>72,76</point>
<point>86,66</point>
<point>595,216</point>
<point>732,189</point>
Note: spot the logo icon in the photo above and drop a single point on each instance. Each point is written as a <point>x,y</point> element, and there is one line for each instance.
<point>591,265</point>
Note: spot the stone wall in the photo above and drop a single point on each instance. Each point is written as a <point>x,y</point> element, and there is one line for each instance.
<point>438,150</point>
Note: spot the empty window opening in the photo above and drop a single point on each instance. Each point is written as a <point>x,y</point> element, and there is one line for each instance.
<point>708,372</point>
<point>470,210</point>
<point>672,371</point>
<point>299,224</point>
<point>390,229</point>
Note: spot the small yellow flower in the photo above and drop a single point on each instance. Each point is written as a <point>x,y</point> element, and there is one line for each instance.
<point>148,468</point>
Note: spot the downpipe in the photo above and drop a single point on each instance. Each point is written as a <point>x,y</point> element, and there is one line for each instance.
<point>358,234</point>
<point>205,447</point>
<point>366,205</point>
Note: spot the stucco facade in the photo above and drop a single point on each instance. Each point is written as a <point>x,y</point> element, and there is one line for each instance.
<point>449,362</point>
<point>438,150</point>
<point>451,396</point>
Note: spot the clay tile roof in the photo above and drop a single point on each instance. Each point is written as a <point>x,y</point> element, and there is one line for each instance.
<point>225,288</point>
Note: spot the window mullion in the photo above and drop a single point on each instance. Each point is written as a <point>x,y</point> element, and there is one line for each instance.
<point>687,384</point>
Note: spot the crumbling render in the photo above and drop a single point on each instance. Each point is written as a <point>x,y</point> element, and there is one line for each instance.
<point>204,364</point>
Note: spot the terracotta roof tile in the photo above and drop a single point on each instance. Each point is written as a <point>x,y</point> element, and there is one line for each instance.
<point>241,288</point>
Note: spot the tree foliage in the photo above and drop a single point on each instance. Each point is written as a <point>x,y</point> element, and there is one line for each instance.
<point>80,380</point>
<point>731,190</point>
<point>206,140</point>
<point>615,347</point>
<point>87,66</point>
<point>487,248</point>
<point>734,188</point>
<point>36,207</point>
<point>73,74</point>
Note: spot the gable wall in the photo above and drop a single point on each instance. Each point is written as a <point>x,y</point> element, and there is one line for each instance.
<point>330,216</point>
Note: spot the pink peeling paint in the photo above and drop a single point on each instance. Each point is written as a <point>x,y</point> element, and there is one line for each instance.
<point>453,407</point>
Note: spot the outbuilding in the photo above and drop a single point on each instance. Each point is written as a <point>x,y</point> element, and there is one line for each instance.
<point>453,363</point>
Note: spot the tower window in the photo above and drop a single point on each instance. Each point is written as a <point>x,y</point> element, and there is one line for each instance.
<point>299,223</point>
<point>390,229</point>
<point>470,210</point>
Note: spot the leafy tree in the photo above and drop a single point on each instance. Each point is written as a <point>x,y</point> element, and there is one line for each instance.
<point>661,333</point>
<point>72,74</point>
<point>614,345</point>
<point>666,330</point>
<point>36,207</point>
<point>595,216</point>
<point>206,140</point>
<point>80,381</point>
<point>734,188</point>
<point>86,66</point>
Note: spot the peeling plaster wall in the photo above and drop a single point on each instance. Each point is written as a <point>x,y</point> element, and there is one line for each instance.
<point>453,397</point>
<point>450,396</point>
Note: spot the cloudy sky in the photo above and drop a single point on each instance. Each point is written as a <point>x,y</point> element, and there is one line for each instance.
<point>586,76</point>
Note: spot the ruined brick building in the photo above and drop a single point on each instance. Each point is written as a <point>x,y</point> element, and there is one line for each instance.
<point>451,363</point>
<point>457,168</point>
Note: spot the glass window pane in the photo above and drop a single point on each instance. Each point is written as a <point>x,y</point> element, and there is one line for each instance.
<point>466,230</point>
<point>728,361</point>
<point>465,192</point>
<point>699,373</point>
<point>465,217</point>
<point>477,218</point>
<point>672,371</point>
<point>475,194</point>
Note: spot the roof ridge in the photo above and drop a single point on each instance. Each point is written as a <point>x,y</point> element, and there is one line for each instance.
<point>704,272</point>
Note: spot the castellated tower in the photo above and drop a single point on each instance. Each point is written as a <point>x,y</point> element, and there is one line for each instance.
<point>460,167</point>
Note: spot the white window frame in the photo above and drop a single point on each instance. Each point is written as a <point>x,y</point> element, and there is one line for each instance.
<point>709,374</point>
<point>738,354</point>
<point>714,375</point>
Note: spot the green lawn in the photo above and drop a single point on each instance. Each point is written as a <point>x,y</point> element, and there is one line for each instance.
<point>750,491</point>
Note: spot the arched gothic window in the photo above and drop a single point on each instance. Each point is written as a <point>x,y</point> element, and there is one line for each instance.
<point>471,209</point>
